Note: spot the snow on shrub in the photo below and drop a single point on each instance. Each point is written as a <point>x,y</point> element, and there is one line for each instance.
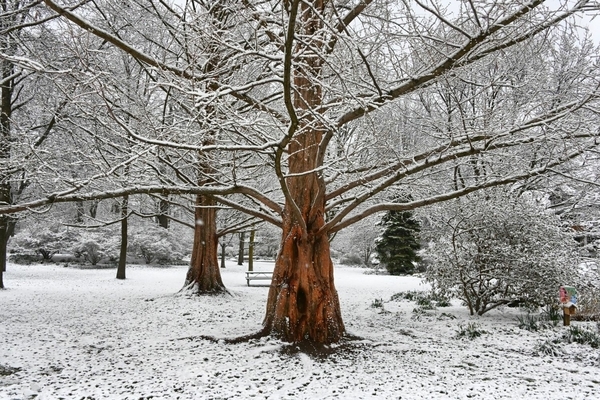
<point>29,244</point>
<point>97,245</point>
<point>494,249</point>
<point>156,244</point>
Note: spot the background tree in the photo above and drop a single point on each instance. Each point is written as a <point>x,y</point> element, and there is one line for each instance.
<point>357,243</point>
<point>31,101</point>
<point>399,242</point>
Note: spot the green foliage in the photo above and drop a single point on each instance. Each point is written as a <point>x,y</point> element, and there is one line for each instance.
<point>575,334</point>
<point>552,313</point>
<point>530,322</point>
<point>426,299</point>
<point>548,347</point>
<point>397,248</point>
<point>426,303</point>
<point>470,331</point>
<point>580,335</point>
<point>408,295</point>
<point>377,303</point>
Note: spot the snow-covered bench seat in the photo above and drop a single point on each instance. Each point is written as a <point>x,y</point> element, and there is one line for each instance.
<point>258,275</point>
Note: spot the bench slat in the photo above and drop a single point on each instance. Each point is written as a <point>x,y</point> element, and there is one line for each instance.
<point>258,275</point>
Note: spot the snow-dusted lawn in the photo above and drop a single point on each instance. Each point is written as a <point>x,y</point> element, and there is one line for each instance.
<point>81,334</point>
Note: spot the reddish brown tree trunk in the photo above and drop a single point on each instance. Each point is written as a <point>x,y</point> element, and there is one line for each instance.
<point>204,276</point>
<point>303,304</point>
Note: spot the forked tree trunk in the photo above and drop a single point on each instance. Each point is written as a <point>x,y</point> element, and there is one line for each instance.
<point>223,255</point>
<point>204,276</point>
<point>303,303</point>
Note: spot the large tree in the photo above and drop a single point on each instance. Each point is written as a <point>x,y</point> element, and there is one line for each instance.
<point>297,75</point>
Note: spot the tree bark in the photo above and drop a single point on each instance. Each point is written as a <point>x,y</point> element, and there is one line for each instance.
<point>303,303</point>
<point>204,276</point>
<point>241,249</point>
<point>79,212</point>
<point>251,250</point>
<point>3,243</point>
<point>163,213</point>
<point>223,248</point>
<point>94,208</point>
<point>6,92</point>
<point>123,253</point>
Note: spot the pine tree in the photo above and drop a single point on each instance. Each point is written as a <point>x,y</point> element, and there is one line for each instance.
<point>397,248</point>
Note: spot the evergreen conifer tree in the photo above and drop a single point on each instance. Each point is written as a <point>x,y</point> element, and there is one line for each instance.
<point>397,248</point>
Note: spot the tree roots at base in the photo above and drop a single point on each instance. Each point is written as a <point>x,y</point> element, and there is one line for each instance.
<point>348,343</point>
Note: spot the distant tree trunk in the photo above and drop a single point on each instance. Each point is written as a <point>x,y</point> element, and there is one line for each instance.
<point>6,92</point>
<point>303,303</point>
<point>123,253</point>
<point>163,213</point>
<point>79,212</point>
<point>241,249</point>
<point>223,247</point>
<point>251,250</point>
<point>204,275</point>
<point>94,208</point>
<point>3,243</point>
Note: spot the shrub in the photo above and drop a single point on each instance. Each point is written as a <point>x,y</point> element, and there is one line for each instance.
<point>377,303</point>
<point>588,302</point>
<point>97,245</point>
<point>470,331</point>
<point>156,244</point>
<point>33,245</point>
<point>548,347</point>
<point>582,336</point>
<point>552,314</point>
<point>24,257</point>
<point>426,299</point>
<point>90,251</point>
<point>500,249</point>
<point>408,295</point>
<point>351,259</point>
<point>531,322</point>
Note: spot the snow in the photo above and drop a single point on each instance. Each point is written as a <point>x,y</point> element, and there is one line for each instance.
<point>82,334</point>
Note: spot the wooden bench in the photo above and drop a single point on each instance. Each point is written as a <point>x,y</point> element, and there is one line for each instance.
<point>258,276</point>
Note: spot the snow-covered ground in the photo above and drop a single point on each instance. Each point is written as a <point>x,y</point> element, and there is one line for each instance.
<point>81,334</point>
